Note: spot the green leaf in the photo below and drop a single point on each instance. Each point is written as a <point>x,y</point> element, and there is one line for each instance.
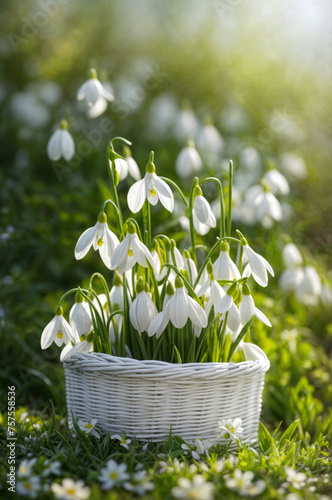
<point>287,435</point>
<point>264,437</point>
<point>240,337</point>
<point>178,355</point>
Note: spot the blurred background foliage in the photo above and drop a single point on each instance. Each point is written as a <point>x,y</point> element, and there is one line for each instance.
<point>261,72</point>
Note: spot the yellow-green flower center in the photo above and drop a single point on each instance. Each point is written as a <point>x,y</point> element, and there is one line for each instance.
<point>27,486</point>
<point>113,475</point>
<point>100,242</point>
<point>59,335</point>
<point>153,193</point>
<point>130,253</point>
<point>70,491</point>
<point>88,426</point>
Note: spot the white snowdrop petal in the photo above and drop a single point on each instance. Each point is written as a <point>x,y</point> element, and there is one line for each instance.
<point>200,228</point>
<point>67,145</point>
<point>54,146</point>
<point>98,108</point>
<point>49,331</point>
<point>261,316</point>
<point>67,331</point>
<point>120,253</point>
<point>217,292</point>
<point>224,304</point>
<point>122,168</point>
<point>81,91</point>
<point>252,352</point>
<point>247,308</point>
<point>85,241</point>
<point>196,313</point>
<point>133,169</point>
<point>201,208</point>
<point>233,319</point>
<point>92,92</point>
<point>107,248</point>
<point>164,192</point>
<point>178,308</point>
<point>158,324</point>
<point>133,315</point>
<point>141,252</point>
<point>136,196</point>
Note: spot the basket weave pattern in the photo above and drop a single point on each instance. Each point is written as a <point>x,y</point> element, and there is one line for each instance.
<point>146,398</point>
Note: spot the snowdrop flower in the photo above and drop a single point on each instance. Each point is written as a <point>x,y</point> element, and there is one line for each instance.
<point>140,483</point>
<point>310,288</point>
<point>293,165</point>
<point>89,427</point>
<point>226,304</point>
<point>127,166</point>
<point>29,487</point>
<point>215,292</point>
<point>296,479</point>
<point>61,144</point>
<point>58,330</point>
<point>186,125</point>
<point>197,488</point>
<point>26,467</point>
<point>230,429</point>
<point>326,294</point>
<point>265,203</point>
<point>160,321</point>
<point>188,161</point>
<point>277,182</point>
<point>123,441</point>
<point>69,489</point>
<point>257,265</point>
<point>242,483</point>
<point>290,279</point>
<point>101,238</point>
<point>250,159</point>
<point>150,188</point>
<point>92,90</point>
<point>85,345</point>
<point>130,251</point>
<point>291,255</point>
<point>190,266</point>
<point>204,218</point>
<point>224,268</point>
<point>113,474</point>
<point>80,317</point>
<point>209,140</point>
<point>247,308</point>
<point>142,310</point>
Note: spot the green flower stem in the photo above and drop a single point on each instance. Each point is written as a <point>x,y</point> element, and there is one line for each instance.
<point>230,191</point>
<point>191,219</point>
<point>112,203</point>
<point>175,186</point>
<point>240,337</point>
<point>111,316</point>
<point>73,290</point>
<point>155,286</point>
<point>100,328</point>
<point>126,321</point>
<point>186,283</point>
<point>134,221</point>
<point>206,261</point>
<point>222,204</point>
<point>147,220</point>
<point>105,286</point>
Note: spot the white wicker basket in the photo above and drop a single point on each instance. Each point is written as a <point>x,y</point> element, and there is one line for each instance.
<point>146,398</point>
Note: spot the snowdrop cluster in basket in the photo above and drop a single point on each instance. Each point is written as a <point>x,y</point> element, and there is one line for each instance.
<point>163,348</point>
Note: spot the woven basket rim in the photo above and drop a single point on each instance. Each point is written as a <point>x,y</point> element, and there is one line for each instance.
<point>93,361</point>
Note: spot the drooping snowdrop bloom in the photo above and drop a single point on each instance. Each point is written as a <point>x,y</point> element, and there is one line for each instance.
<point>113,474</point>
<point>150,188</point>
<point>127,166</point>
<point>209,140</point>
<point>216,293</point>
<point>309,290</point>
<point>196,488</point>
<point>160,321</point>
<point>293,165</point>
<point>70,489</point>
<point>247,308</point>
<point>61,144</point>
<point>224,268</point>
<point>130,251</point>
<point>92,90</point>
<point>80,317</point>
<point>89,427</point>
<point>230,429</point>
<point>190,267</point>
<point>58,330</point>
<point>142,310</point>
<point>202,213</point>
<point>242,482</point>
<point>291,255</point>
<point>101,238</point>
<point>226,305</point>
<point>186,125</point>
<point>85,345</point>
<point>188,161</point>
<point>266,205</point>
<point>290,279</point>
<point>277,182</point>
<point>257,265</point>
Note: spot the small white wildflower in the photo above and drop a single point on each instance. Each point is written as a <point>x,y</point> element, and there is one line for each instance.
<point>195,489</point>
<point>230,429</point>
<point>71,490</point>
<point>140,483</point>
<point>89,427</point>
<point>123,441</point>
<point>26,467</point>
<point>243,484</point>
<point>29,487</point>
<point>113,474</point>
<point>296,479</point>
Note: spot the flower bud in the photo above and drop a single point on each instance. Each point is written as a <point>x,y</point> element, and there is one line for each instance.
<point>102,218</point>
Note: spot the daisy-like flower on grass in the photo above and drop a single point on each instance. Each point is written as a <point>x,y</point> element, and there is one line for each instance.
<point>203,216</point>
<point>101,238</point>
<point>29,487</point>
<point>127,166</point>
<point>197,447</point>
<point>150,188</point>
<point>130,251</point>
<point>242,483</point>
<point>80,317</point>
<point>71,490</point>
<point>247,308</point>
<point>26,467</point>
<point>140,483</point>
<point>195,489</point>
<point>61,144</point>
<point>58,330</point>
<point>188,161</point>
<point>296,479</point>
<point>223,267</point>
<point>123,440</point>
<point>113,474</point>
<point>142,310</point>
<point>178,309</point>
<point>92,90</point>
<point>257,266</point>
<point>230,429</point>
<point>89,427</point>
<point>51,468</point>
